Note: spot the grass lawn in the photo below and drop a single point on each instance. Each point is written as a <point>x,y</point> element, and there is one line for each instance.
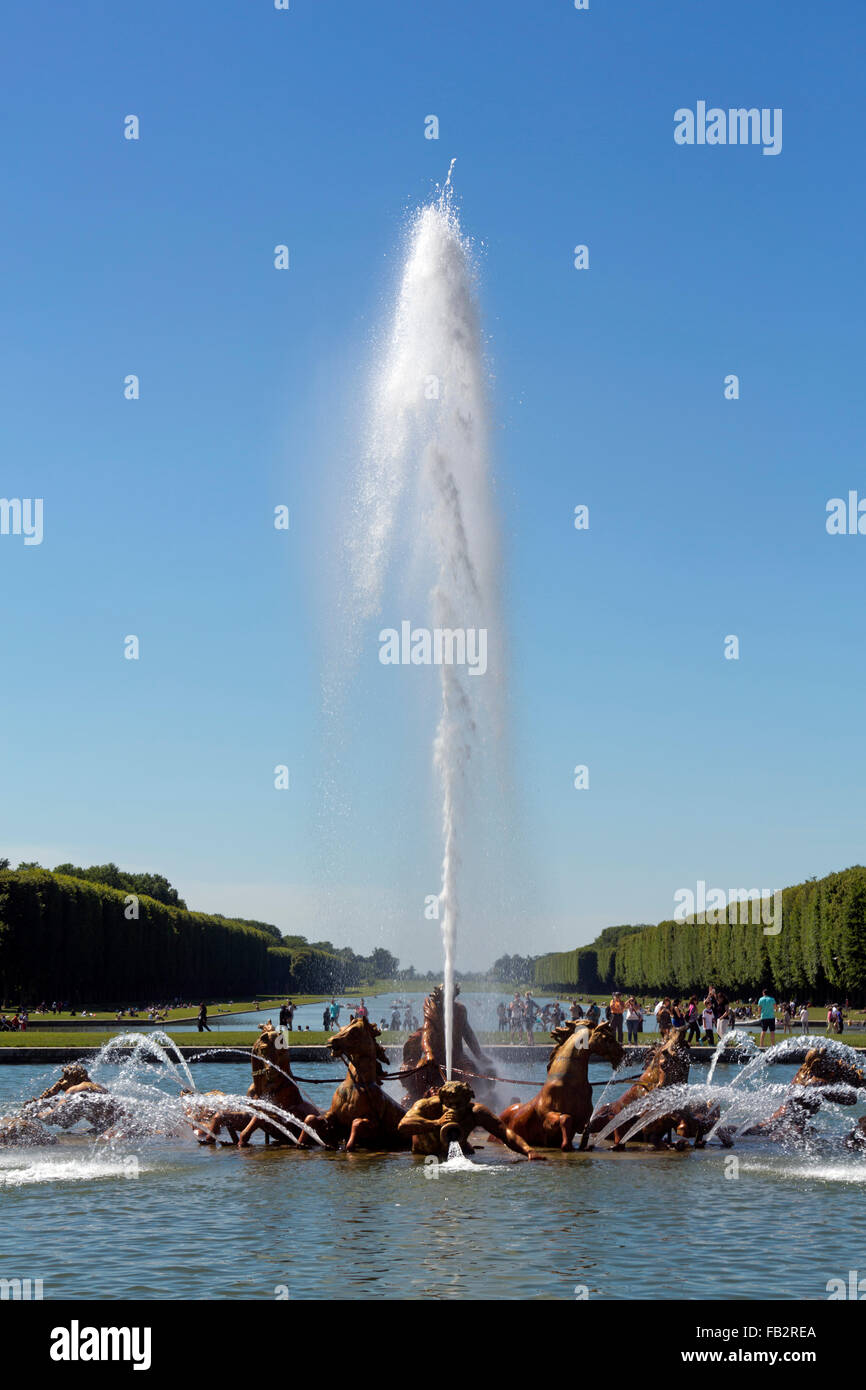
<point>173,1015</point>
<point>96,1037</point>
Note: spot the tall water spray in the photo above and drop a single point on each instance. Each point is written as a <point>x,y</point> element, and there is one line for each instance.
<point>429,427</point>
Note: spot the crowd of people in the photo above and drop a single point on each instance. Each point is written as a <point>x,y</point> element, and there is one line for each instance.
<point>706,1020</point>
<point>14,1023</point>
<point>402,1018</point>
<point>521,1017</point>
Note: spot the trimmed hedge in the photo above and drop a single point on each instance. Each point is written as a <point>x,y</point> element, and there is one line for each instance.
<point>69,938</point>
<point>820,950</point>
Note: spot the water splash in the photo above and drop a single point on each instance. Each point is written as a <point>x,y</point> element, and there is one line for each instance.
<point>430,425</point>
<point>737,1040</point>
<point>41,1169</point>
<point>153,1047</point>
<point>458,1162</point>
<point>792,1049</point>
<point>650,1106</point>
<point>626,1062</point>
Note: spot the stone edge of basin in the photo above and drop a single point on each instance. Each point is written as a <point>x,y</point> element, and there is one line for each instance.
<point>504,1053</point>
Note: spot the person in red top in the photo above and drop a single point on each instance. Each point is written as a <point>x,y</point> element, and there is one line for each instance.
<point>362,1010</point>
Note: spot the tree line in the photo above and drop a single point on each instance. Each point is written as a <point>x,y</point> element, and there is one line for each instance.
<point>75,937</point>
<point>819,951</point>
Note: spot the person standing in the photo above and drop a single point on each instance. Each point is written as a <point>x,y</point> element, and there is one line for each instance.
<point>767,1010</point>
<point>633,1018</point>
<point>335,1015</point>
<point>203,1025</point>
<point>502,1016</point>
<point>709,1019</point>
<point>804,1018</point>
<point>362,1011</point>
<point>693,1026</point>
<point>515,1012</point>
<point>615,1014</point>
<point>663,1017</point>
<point>576,1010</point>
<point>530,1013</point>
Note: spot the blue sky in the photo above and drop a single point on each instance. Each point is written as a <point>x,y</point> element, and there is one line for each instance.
<point>707,516</point>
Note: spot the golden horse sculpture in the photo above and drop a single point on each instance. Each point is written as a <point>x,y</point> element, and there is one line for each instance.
<point>360,1113</point>
<point>24,1131</point>
<point>273,1083</point>
<point>79,1098</point>
<point>829,1077</point>
<point>668,1065</point>
<point>564,1104</point>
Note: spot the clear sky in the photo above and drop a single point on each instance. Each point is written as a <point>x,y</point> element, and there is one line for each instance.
<point>707,516</point>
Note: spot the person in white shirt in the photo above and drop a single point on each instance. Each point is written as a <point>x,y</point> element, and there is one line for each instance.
<point>804,1017</point>
<point>633,1019</point>
<point>709,1024</point>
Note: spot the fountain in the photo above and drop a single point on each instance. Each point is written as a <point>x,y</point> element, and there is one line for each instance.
<point>430,424</point>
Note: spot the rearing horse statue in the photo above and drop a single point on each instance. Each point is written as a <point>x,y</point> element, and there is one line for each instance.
<point>668,1065</point>
<point>564,1104</point>
<point>272,1082</point>
<point>828,1078</point>
<point>360,1112</point>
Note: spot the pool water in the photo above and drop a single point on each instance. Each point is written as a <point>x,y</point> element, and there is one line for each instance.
<point>170,1219</point>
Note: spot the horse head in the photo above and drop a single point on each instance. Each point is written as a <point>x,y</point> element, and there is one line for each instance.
<point>820,1065</point>
<point>270,1058</point>
<point>357,1043</point>
<point>821,1068</point>
<point>577,1035</point>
